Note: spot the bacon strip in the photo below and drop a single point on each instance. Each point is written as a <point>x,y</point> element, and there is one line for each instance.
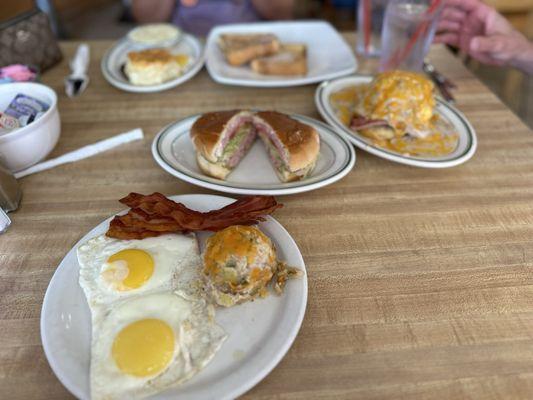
<point>153,215</point>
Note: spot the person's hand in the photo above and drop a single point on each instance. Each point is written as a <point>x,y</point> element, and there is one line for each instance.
<point>484,34</point>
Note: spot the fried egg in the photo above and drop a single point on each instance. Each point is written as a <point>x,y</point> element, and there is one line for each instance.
<point>112,269</point>
<point>148,343</point>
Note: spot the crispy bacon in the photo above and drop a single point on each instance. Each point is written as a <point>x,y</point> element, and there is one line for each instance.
<point>154,214</point>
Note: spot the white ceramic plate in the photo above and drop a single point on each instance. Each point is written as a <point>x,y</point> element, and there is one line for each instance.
<point>328,55</point>
<point>173,150</point>
<point>467,136</point>
<point>115,58</point>
<point>259,333</point>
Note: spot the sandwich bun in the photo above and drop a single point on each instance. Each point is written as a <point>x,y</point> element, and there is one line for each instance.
<point>301,141</point>
<point>221,139</point>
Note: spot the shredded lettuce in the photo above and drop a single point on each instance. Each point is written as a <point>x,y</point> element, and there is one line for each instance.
<point>235,141</point>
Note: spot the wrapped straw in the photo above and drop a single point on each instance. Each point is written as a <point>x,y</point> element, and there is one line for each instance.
<point>84,152</point>
<point>367,24</point>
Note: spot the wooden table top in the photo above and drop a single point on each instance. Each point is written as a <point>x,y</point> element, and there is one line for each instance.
<point>420,281</point>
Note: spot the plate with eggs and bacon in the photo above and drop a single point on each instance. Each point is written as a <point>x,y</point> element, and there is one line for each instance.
<point>396,115</point>
<point>190,296</point>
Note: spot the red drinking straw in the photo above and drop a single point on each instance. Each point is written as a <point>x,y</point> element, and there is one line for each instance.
<point>366,24</point>
<point>400,55</point>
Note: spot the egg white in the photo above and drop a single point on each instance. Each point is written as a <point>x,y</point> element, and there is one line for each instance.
<point>176,266</point>
<point>197,339</point>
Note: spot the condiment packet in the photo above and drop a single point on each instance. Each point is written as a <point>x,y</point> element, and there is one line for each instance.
<point>17,73</point>
<point>8,122</point>
<point>28,119</point>
<point>23,105</point>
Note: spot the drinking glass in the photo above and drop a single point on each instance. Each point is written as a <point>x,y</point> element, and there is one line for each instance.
<point>408,30</point>
<point>370,15</point>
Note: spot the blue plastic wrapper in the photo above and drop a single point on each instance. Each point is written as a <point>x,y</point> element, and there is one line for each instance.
<point>26,108</point>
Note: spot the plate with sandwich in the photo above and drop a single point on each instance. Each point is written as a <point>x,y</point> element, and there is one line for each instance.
<point>253,152</point>
<point>140,66</point>
<point>397,116</point>
<point>277,54</point>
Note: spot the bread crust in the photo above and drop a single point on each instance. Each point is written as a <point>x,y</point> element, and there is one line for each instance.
<point>301,140</point>
<point>290,60</point>
<point>207,131</point>
<point>215,170</point>
<point>240,49</point>
<point>150,57</point>
<point>151,67</point>
<point>270,66</point>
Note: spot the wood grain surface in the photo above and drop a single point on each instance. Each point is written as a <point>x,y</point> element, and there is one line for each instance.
<point>420,281</point>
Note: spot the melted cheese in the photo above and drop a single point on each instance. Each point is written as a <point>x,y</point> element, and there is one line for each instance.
<point>235,241</point>
<point>344,100</point>
<point>405,100</point>
<point>435,145</point>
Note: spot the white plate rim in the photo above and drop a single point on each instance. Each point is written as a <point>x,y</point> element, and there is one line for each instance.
<point>239,390</point>
<point>189,74</point>
<point>299,187</point>
<point>301,81</point>
<point>347,134</point>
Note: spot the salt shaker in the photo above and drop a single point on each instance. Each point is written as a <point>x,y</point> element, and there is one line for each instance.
<point>4,221</point>
<point>10,193</point>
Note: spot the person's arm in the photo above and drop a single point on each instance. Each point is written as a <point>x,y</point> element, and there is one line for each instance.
<point>484,34</point>
<point>514,50</point>
<point>152,10</point>
<point>274,9</point>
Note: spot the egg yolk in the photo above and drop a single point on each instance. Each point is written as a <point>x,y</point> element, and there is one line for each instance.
<point>129,269</point>
<point>144,348</point>
<point>182,59</point>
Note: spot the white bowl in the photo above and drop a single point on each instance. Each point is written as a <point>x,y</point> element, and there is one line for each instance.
<point>170,42</point>
<point>23,147</point>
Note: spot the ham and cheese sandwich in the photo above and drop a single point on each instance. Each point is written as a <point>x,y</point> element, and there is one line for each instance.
<point>223,138</point>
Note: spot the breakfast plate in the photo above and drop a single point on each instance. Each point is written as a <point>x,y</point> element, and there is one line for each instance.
<point>115,59</point>
<point>259,333</point>
<point>173,150</point>
<point>329,56</point>
<point>464,150</point>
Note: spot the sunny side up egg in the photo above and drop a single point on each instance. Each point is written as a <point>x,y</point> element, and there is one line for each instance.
<point>112,269</point>
<point>145,344</point>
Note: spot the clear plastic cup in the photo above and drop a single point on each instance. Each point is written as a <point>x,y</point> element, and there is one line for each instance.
<point>370,14</point>
<point>408,30</point>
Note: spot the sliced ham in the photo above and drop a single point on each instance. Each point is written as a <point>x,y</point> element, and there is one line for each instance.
<point>232,128</point>
<point>267,134</point>
<point>360,122</point>
<point>246,143</point>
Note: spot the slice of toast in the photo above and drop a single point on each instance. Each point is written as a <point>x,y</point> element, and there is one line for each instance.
<point>240,49</point>
<point>290,60</point>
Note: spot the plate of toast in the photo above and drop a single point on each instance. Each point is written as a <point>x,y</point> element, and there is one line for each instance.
<point>277,54</point>
<point>138,68</point>
<point>259,152</point>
